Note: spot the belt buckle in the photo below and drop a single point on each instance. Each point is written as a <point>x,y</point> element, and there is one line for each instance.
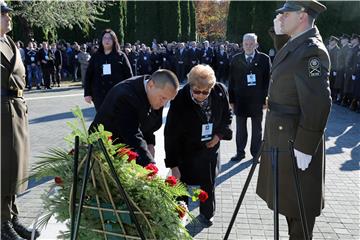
<point>19,93</point>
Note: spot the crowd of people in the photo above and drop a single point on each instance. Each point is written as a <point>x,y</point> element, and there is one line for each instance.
<point>47,64</point>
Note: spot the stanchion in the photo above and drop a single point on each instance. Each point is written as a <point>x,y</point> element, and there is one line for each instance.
<point>74,190</point>
<point>243,192</point>
<point>82,193</point>
<point>299,193</point>
<point>274,161</point>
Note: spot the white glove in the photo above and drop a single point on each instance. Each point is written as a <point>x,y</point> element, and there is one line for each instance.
<point>353,77</point>
<point>277,25</point>
<point>303,160</point>
<point>334,73</point>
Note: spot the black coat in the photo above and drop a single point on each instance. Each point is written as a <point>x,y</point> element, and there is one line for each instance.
<point>248,100</point>
<point>98,85</point>
<point>126,113</point>
<point>183,145</point>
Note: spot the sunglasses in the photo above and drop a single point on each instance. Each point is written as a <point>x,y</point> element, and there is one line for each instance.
<point>198,92</point>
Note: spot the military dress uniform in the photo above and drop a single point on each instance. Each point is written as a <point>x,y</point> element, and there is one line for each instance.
<point>299,104</point>
<point>14,137</point>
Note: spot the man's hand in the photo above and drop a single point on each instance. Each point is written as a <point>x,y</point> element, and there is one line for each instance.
<point>176,172</point>
<point>213,141</point>
<point>151,148</point>
<point>303,160</point>
<point>277,24</point>
<point>88,99</point>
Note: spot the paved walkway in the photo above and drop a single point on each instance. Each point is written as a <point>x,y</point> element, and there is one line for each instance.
<point>340,218</point>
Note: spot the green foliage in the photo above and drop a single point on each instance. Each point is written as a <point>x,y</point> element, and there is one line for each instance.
<point>51,15</point>
<point>130,32</point>
<point>192,21</point>
<point>239,20</point>
<point>152,197</point>
<point>185,20</point>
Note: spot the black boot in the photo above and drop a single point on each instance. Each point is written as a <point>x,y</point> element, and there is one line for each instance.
<point>23,231</point>
<point>8,232</point>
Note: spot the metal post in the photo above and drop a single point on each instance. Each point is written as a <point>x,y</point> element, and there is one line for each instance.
<point>243,192</point>
<point>74,190</point>
<point>274,160</point>
<point>82,193</point>
<point>299,193</point>
<point>121,190</point>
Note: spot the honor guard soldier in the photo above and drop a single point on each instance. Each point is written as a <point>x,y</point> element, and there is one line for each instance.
<point>299,103</point>
<point>14,132</point>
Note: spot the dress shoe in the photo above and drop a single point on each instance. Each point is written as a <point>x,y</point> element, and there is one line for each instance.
<point>237,158</point>
<point>8,232</point>
<point>206,222</point>
<point>23,231</point>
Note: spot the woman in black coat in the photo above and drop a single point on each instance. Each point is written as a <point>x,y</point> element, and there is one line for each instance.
<point>107,67</point>
<point>198,118</point>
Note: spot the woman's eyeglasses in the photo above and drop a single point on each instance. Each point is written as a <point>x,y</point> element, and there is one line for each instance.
<point>198,92</point>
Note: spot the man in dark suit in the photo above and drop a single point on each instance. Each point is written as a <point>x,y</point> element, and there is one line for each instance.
<point>132,111</point>
<point>248,83</point>
<point>14,132</point>
<point>299,104</point>
<point>181,62</point>
<point>333,49</point>
<point>222,64</point>
<point>207,54</point>
<point>193,56</point>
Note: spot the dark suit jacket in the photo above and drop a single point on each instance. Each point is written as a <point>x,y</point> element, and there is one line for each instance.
<point>183,145</point>
<point>248,100</point>
<point>126,112</point>
<point>98,85</point>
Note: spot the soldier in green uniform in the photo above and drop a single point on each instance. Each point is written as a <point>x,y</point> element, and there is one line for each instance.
<point>14,132</point>
<point>333,49</point>
<point>299,103</point>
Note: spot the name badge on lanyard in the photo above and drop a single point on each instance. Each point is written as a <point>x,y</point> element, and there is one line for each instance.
<point>206,132</point>
<point>251,80</point>
<point>32,59</point>
<point>106,69</point>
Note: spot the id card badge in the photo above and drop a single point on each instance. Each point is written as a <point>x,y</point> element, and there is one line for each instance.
<point>251,80</point>
<point>206,132</point>
<point>46,57</point>
<point>32,59</point>
<point>106,69</point>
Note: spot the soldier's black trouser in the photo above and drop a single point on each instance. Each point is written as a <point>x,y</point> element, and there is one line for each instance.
<point>8,207</point>
<point>242,135</point>
<point>295,227</point>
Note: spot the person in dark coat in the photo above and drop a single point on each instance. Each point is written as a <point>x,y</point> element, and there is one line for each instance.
<point>207,54</point>
<point>355,39</point>
<point>333,49</point>
<point>222,65</point>
<point>198,119</point>
<point>356,78</point>
<point>47,61</point>
<point>249,76</point>
<point>181,62</point>
<point>56,78</point>
<point>193,56</point>
<point>132,111</point>
<point>14,132</point>
<point>341,68</point>
<point>299,104</point>
<point>107,67</point>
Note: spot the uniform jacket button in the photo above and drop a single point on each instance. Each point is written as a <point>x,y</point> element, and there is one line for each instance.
<point>280,128</point>
<point>11,87</point>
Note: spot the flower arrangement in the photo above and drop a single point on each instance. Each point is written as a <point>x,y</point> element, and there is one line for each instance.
<point>104,214</point>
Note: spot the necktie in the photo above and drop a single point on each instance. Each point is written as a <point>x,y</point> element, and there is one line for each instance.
<point>248,59</point>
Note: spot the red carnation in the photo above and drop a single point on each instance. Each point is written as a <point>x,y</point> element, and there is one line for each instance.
<point>171,180</point>
<point>203,196</point>
<point>152,168</point>
<point>110,138</point>
<point>58,180</point>
<point>132,156</point>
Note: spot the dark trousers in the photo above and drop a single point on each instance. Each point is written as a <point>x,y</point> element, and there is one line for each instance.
<point>8,207</point>
<point>295,227</point>
<point>242,134</point>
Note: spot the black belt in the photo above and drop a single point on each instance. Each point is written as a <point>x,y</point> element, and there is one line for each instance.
<point>284,109</point>
<point>12,93</point>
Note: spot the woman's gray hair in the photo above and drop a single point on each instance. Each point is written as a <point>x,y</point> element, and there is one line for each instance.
<point>202,76</point>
